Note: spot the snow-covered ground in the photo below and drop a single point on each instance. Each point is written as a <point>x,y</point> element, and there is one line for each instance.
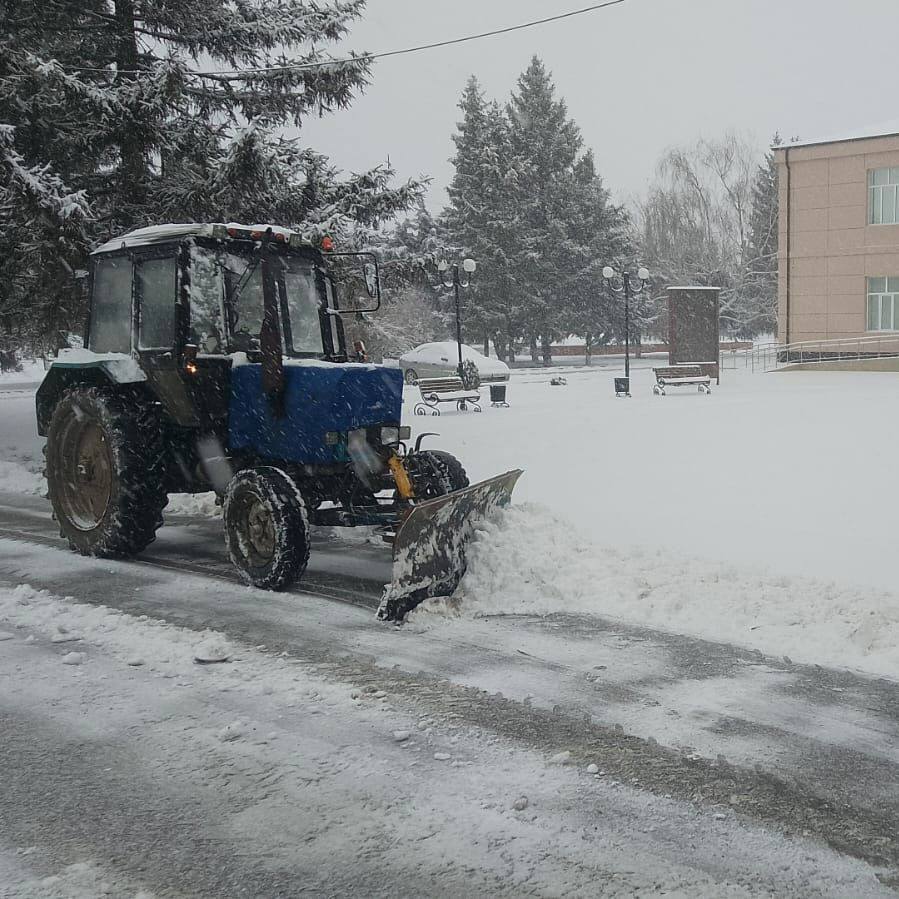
<point>759,515</point>
<point>32,370</point>
<point>239,770</point>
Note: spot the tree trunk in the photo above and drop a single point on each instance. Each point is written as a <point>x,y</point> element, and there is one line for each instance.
<point>588,348</point>
<point>133,155</point>
<point>486,344</point>
<point>508,341</point>
<point>534,356</point>
<point>547,351</point>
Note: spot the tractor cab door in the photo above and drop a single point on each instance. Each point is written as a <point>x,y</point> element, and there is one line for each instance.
<point>155,330</point>
<point>192,394</point>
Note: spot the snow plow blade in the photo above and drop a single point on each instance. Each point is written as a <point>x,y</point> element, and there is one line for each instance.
<point>429,549</point>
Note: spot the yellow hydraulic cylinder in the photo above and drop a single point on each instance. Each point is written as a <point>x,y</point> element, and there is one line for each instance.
<point>401,477</point>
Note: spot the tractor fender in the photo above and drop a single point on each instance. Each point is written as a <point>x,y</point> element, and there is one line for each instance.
<point>66,372</point>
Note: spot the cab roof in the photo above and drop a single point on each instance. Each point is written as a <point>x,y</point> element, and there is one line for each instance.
<point>143,237</point>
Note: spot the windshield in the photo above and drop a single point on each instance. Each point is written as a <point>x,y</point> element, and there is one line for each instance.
<point>243,278</point>
<point>300,295</point>
<point>299,300</point>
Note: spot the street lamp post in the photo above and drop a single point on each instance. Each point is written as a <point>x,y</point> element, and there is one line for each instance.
<point>452,278</point>
<point>630,285</point>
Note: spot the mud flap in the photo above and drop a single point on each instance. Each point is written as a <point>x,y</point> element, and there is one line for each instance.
<point>429,549</point>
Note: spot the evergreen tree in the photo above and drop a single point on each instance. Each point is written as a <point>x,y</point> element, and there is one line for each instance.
<point>545,144</point>
<point>529,206</point>
<point>482,218</point>
<point>108,123</point>
<point>569,228</point>
<point>761,273</point>
<point>599,234</point>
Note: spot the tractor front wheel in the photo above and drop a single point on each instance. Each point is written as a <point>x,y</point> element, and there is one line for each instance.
<point>435,473</point>
<point>266,528</point>
<point>105,471</point>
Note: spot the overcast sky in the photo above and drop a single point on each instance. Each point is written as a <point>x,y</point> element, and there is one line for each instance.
<point>638,78</point>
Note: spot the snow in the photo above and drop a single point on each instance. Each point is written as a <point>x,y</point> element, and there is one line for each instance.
<point>239,359</point>
<point>80,880</point>
<point>17,478</point>
<point>159,233</point>
<point>202,505</point>
<point>754,515</point>
<point>758,515</point>
<point>122,368</point>
<point>269,755</point>
<point>32,370</point>
<point>531,562</point>
<point>880,129</point>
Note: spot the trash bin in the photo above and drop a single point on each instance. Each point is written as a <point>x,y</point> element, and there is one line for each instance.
<point>498,395</point>
<point>622,386</point>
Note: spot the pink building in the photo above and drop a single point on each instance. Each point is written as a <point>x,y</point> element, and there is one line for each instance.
<point>839,238</point>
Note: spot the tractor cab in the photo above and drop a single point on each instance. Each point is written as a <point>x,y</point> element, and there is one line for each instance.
<point>191,301</point>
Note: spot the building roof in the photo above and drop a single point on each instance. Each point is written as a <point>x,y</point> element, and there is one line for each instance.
<point>882,129</point>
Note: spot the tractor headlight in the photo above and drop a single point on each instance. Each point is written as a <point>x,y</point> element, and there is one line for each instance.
<point>392,436</point>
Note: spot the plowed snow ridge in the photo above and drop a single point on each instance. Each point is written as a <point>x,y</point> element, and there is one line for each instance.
<point>530,561</point>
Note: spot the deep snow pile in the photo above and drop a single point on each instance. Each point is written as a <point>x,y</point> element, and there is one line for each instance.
<point>528,560</point>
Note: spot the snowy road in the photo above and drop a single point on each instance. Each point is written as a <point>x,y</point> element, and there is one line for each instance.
<point>724,772</point>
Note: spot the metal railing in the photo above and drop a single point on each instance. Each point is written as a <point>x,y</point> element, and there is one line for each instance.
<point>772,356</point>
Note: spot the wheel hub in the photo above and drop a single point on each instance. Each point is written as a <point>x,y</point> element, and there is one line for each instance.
<point>87,474</point>
<point>261,529</point>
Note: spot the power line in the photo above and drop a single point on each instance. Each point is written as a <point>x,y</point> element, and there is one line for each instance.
<point>432,46</point>
<point>231,73</point>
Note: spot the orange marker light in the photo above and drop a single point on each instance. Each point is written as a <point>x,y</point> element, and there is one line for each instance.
<point>327,244</point>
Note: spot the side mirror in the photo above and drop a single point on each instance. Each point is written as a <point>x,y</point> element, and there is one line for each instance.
<point>371,279</point>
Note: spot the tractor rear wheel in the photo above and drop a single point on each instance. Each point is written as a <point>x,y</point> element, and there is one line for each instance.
<point>266,528</point>
<point>105,471</point>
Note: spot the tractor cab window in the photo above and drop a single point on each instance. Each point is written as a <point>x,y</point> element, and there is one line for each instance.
<point>110,324</point>
<point>156,294</point>
<point>298,284</point>
<point>243,280</point>
<point>206,292</point>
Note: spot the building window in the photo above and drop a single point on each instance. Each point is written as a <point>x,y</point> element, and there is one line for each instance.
<point>883,304</point>
<point>883,196</point>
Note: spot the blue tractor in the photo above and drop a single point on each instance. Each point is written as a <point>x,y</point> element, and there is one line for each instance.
<point>215,359</point>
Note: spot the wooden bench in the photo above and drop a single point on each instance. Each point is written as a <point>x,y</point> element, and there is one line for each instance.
<point>435,391</point>
<point>712,369</point>
<point>681,376</point>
